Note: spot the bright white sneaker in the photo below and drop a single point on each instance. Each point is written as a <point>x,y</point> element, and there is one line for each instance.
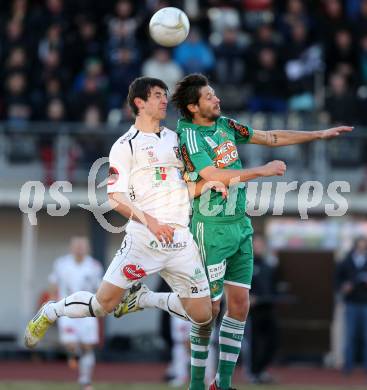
<point>37,327</point>
<point>130,303</point>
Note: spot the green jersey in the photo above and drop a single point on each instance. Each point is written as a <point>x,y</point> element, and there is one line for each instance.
<point>203,146</point>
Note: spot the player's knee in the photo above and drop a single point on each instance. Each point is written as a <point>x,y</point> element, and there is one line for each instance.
<point>238,308</point>
<point>201,317</point>
<point>102,305</point>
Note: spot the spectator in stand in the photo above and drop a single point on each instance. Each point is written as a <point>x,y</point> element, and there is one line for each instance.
<point>161,66</point>
<point>230,58</point>
<point>340,103</point>
<point>85,43</point>
<point>17,107</point>
<point>257,12</point>
<point>14,37</point>
<point>93,68</point>
<point>194,55</point>
<point>16,62</point>
<point>361,23</point>
<point>124,15</point>
<point>52,67</point>
<point>332,19</point>
<point>296,12</point>
<point>90,94</point>
<point>123,60</point>
<point>265,37</point>
<point>341,52</point>
<point>352,283</point>
<point>268,84</point>
<point>302,61</point>
<point>53,12</point>
<point>89,145</point>
<point>55,114</point>
<point>123,69</point>
<point>52,41</point>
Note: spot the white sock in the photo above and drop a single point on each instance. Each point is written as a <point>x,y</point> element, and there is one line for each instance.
<point>78,305</point>
<point>169,302</point>
<point>87,362</point>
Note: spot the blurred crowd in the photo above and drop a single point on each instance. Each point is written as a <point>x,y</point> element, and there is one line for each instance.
<point>72,60</point>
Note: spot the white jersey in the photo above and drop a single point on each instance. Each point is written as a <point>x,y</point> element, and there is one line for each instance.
<point>71,276</point>
<point>148,167</point>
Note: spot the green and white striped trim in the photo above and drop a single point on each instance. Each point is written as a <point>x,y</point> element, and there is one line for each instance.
<point>191,142</point>
<point>229,357</point>
<point>198,362</point>
<point>230,342</point>
<point>200,240</point>
<point>226,329</point>
<point>199,348</point>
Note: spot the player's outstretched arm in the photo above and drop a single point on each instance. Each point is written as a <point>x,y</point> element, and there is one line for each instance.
<point>198,188</point>
<point>292,137</point>
<point>233,176</point>
<point>122,204</point>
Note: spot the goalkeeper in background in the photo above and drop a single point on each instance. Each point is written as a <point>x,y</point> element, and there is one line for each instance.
<point>223,232</point>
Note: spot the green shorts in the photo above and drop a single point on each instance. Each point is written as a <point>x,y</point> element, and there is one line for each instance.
<point>226,250</point>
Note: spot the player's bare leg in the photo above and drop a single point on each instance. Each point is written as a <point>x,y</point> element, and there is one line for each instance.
<point>73,355</point>
<point>78,305</point>
<point>196,310</point>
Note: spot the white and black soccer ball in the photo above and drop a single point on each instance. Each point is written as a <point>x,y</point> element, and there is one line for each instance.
<point>169,26</point>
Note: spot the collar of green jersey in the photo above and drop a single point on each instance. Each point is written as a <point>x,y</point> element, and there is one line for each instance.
<point>184,123</point>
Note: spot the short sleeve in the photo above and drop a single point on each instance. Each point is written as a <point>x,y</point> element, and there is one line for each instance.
<point>120,167</point>
<point>193,152</point>
<point>242,133</point>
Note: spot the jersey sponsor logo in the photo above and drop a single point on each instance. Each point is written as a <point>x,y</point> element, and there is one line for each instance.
<point>113,176</point>
<point>153,244</point>
<point>243,130</point>
<point>185,155</point>
<point>133,271</point>
<point>226,154</point>
<point>174,245</point>
<point>216,271</point>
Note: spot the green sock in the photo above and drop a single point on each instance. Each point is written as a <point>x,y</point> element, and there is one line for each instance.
<point>200,339</point>
<point>230,338</point>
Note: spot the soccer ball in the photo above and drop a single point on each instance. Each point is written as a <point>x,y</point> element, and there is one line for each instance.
<point>169,26</point>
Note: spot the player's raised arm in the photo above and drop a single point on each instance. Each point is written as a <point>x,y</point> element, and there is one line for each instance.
<point>292,137</point>
<point>232,176</point>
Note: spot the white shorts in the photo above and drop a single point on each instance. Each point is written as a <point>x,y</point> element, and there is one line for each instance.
<point>78,330</point>
<point>142,254</point>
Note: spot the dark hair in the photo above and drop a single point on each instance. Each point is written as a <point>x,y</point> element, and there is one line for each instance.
<point>188,92</point>
<point>140,88</point>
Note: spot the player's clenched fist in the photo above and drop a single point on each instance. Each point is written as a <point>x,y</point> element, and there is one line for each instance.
<point>274,168</point>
